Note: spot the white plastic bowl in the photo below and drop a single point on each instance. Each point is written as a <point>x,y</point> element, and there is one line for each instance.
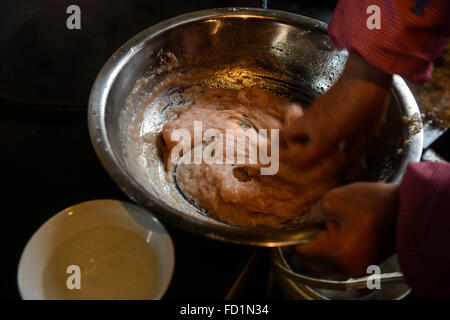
<point>86,216</point>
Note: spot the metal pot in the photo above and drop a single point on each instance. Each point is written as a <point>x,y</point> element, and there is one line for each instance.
<point>232,47</point>
<point>297,282</point>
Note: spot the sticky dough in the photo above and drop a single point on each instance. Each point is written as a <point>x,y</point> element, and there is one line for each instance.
<point>238,193</point>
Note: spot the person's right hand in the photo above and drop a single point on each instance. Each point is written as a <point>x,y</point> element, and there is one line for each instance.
<point>347,116</point>
<point>360,220</point>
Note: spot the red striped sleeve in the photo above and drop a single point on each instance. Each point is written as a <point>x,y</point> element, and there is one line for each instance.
<point>412,34</point>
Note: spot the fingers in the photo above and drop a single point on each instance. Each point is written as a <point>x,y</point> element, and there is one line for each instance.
<point>295,130</point>
<point>325,247</point>
<point>304,155</point>
<point>333,164</point>
<point>326,168</point>
<point>293,113</point>
<point>355,151</point>
<point>305,147</point>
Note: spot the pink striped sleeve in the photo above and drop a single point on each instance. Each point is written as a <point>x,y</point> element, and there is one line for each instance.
<point>412,34</point>
<point>423,229</point>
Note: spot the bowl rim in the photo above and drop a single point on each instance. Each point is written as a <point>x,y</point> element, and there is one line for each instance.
<point>129,185</point>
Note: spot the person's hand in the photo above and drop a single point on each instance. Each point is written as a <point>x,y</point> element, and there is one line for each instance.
<point>347,116</point>
<point>360,221</point>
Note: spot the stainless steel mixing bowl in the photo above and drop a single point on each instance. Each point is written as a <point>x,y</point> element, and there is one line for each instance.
<point>232,47</point>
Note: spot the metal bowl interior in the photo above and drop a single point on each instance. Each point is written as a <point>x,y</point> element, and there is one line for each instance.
<point>231,48</point>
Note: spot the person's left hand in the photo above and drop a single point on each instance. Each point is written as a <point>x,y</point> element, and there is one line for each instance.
<point>360,223</point>
<point>348,116</point>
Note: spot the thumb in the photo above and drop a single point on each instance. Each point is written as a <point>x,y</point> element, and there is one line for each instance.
<point>320,247</point>
<point>317,214</point>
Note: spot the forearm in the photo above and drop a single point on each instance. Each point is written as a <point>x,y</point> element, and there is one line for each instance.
<point>357,68</point>
<point>359,98</point>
